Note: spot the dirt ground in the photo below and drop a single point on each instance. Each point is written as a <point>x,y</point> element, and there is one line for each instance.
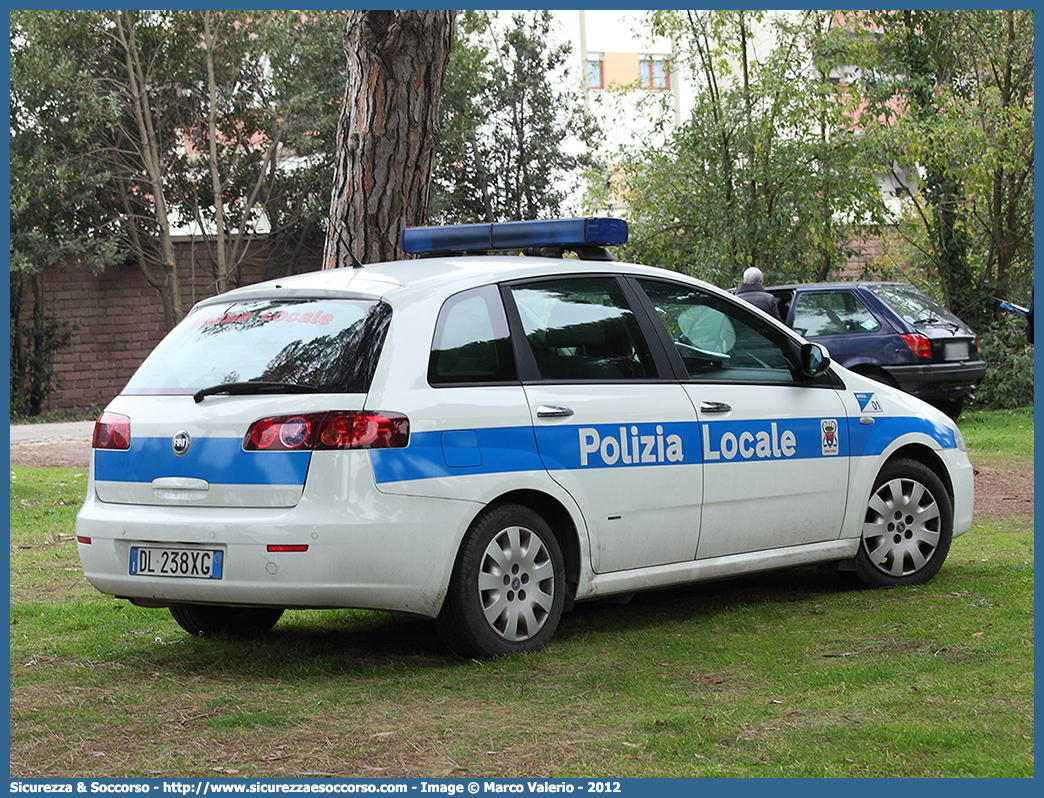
<point>998,491</point>
<point>51,454</point>
<point>1002,492</point>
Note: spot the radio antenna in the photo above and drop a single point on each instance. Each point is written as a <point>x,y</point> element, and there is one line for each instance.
<point>346,242</point>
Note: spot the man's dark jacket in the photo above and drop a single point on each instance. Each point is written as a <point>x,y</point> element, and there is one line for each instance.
<point>756,295</point>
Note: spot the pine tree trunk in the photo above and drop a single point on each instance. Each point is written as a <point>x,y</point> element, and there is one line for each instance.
<point>388,131</point>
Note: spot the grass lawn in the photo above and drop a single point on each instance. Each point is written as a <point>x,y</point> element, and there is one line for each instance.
<point>786,674</point>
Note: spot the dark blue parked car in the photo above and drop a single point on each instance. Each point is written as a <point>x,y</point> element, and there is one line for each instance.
<point>891,332</point>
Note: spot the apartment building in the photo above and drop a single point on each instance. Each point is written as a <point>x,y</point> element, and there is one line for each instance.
<point>629,81</point>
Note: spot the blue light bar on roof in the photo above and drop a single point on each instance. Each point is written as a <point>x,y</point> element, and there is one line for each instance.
<point>566,233</point>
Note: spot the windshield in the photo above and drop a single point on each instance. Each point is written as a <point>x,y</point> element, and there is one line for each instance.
<point>331,346</point>
<point>915,307</point>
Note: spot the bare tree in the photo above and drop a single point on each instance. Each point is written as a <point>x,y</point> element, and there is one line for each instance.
<point>156,258</point>
<point>388,131</point>
<point>230,246</point>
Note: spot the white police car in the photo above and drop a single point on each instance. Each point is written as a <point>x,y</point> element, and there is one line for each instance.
<point>486,439</point>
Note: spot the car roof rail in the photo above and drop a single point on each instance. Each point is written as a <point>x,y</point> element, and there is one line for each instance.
<point>586,237</point>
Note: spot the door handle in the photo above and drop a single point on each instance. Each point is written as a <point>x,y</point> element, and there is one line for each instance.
<point>553,411</point>
<point>715,407</point>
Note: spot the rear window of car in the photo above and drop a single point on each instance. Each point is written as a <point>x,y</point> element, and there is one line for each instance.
<point>472,343</point>
<point>331,346</point>
<point>913,305</point>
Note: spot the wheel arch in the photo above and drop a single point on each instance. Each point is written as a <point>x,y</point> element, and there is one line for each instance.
<point>929,459</point>
<point>561,522</point>
<point>914,451</point>
<point>897,547</point>
<point>866,469</point>
<point>874,372</point>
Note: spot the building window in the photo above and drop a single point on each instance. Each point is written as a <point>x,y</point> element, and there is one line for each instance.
<point>595,72</point>
<point>653,72</point>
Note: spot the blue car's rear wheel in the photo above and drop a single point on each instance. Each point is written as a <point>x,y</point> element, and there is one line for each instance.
<point>951,407</point>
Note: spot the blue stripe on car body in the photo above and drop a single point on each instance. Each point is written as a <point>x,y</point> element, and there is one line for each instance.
<point>431,456</point>
<point>219,461</point>
<point>448,453</point>
<point>512,449</point>
<point>873,439</point>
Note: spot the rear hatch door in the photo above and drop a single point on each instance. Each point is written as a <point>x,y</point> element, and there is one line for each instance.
<point>189,408</point>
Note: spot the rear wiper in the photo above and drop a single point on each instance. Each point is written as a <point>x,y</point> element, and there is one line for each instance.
<point>249,388</point>
<point>935,322</point>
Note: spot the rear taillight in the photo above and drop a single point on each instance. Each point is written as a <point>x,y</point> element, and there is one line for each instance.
<point>333,430</point>
<point>919,344</point>
<point>111,431</point>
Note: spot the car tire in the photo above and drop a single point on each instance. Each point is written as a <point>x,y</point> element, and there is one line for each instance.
<point>907,527</point>
<point>508,586</point>
<point>204,620</point>
<point>951,407</point>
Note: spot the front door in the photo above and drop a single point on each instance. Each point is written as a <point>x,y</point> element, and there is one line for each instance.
<point>774,444</point>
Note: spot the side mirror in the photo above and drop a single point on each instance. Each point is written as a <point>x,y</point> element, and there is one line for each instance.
<point>815,359</point>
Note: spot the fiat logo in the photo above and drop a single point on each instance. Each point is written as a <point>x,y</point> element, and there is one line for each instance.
<point>180,443</point>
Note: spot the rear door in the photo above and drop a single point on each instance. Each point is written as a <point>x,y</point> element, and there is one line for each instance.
<point>620,439</point>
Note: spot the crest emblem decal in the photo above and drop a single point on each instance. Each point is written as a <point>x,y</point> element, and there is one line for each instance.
<point>831,444</point>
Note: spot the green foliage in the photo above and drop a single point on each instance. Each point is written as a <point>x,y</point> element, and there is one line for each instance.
<point>34,344</point>
<point>509,115</point>
<point>1009,365</point>
<point>307,77</point>
<point>762,174</point>
<point>56,219</point>
<point>460,189</point>
<point>56,177</point>
<point>778,165</point>
<point>127,125</point>
<point>952,92</point>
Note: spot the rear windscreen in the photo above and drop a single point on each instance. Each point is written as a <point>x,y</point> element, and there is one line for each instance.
<point>915,307</point>
<point>331,346</point>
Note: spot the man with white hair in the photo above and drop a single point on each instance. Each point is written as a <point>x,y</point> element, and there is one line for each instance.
<point>752,289</point>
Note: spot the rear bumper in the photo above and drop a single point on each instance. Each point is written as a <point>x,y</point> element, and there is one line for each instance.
<point>939,380</point>
<point>379,552</point>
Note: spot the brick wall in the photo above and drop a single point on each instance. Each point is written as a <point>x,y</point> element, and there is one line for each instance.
<point>868,251</point>
<point>120,319</point>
